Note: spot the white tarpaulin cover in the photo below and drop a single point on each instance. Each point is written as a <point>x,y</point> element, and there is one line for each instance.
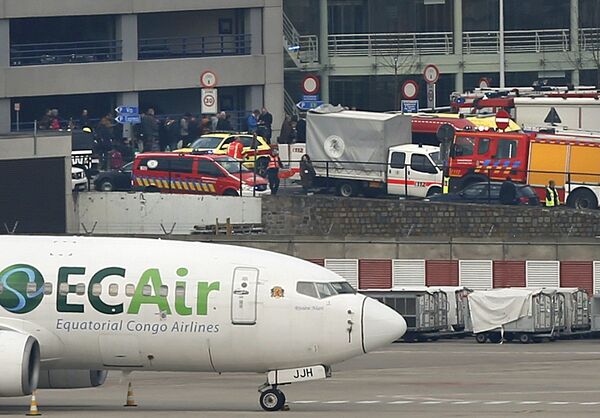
<point>490,309</point>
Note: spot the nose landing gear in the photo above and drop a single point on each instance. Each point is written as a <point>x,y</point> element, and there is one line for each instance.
<point>272,399</point>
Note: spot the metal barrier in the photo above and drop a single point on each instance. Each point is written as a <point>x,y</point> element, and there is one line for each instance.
<point>369,44</point>
<point>65,52</point>
<point>589,39</point>
<point>486,42</point>
<point>201,46</point>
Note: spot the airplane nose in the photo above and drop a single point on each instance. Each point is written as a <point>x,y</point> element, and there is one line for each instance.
<point>381,325</point>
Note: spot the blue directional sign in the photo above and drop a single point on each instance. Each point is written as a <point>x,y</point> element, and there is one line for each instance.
<point>128,110</point>
<point>410,106</point>
<point>128,118</point>
<point>309,104</point>
<point>310,98</point>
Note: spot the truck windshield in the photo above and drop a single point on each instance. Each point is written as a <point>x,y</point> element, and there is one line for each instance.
<point>463,146</point>
<point>435,157</point>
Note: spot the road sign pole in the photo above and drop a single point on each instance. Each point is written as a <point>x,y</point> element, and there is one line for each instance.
<point>18,121</point>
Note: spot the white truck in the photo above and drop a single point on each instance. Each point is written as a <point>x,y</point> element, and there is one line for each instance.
<point>370,153</point>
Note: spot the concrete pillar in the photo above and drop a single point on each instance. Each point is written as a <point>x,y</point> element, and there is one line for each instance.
<point>127,32</point>
<point>5,113</point>
<point>574,19</point>
<point>253,25</point>
<point>272,44</point>
<point>458,45</point>
<point>324,49</point>
<point>128,98</point>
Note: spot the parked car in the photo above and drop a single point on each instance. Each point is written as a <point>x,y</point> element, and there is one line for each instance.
<point>114,180</point>
<point>78,179</point>
<point>218,143</point>
<point>195,173</point>
<point>488,193</point>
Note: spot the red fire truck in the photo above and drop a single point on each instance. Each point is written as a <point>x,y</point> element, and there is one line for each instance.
<point>572,161</point>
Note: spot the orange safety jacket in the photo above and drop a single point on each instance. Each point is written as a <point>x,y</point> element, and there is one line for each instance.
<point>274,162</point>
<point>235,150</point>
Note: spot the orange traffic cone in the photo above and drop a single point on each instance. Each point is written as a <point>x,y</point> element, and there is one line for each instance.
<point>130,401</point>
<point>33,407</point>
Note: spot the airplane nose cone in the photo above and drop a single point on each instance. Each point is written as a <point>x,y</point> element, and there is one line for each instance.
<point>381,325</point>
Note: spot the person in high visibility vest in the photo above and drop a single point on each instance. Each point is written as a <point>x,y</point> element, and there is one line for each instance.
<point>552,199</point>
<point>236,149</point>
<point>273,171</point>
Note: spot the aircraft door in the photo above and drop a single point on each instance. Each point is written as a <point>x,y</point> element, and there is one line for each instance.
<point>243,296</point>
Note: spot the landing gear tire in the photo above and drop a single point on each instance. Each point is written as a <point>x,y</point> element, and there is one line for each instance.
<point>272,400</point>
<point>481,338</point>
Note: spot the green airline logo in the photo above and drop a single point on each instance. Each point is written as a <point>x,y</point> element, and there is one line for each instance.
<point>23,290</point>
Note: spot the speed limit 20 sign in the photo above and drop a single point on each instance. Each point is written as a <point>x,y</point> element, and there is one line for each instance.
<point>209,101</point>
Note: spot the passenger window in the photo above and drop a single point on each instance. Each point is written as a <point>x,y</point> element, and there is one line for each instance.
<point>397,160</point>
<point>113,289</point>
<point>130,290</point>
<point>208,168</point>
<point>463,146</point>
<point>475,191</point>
<point>421,163</point>
<point>163,291</point>
<point>80,289</point>
<point>31,288</point>
<point>63,289</point>
<point>507,148</point>
<point>182,165</point>
<point>248,141</point>
<point>325,290</point>
<point>147,290</point>
<point>483,146</point>
<point>307,289</point>
<point>47,288</point>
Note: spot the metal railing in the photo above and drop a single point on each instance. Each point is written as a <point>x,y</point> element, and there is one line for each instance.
<point>589,39</point>
<point>65,52</point>
<point>309,49</point>
<point>369,44</point>
<point>304,49</point>
<point>201,46</point>
<point>488,42</point>
<point>288,104</point>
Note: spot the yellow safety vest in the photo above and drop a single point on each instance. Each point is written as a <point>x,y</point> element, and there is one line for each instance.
<point>552,198</point>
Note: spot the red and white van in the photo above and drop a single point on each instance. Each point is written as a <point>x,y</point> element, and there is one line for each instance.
<point>170,172</point>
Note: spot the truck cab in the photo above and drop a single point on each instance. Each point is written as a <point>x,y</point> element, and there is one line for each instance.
<point>414,170</point>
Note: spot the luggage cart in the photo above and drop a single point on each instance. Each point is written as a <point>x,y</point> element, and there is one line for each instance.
<point>541,315</point>
<point>424,309</point>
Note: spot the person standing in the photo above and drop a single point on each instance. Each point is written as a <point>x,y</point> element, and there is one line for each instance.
<point>286,136</point>
<point>307,173</point>
<point>552,199</point>
<point>184,130</point>
<point>253,121</point>
<point>508,192</point>
<point>273,171</point>
<point>265,120</point>
<point>149,128</point>
<point>236,149</point>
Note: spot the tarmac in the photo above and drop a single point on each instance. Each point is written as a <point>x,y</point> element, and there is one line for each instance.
<point>456,378</point>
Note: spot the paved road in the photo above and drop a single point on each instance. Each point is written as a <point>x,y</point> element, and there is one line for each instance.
<point>442,379</point>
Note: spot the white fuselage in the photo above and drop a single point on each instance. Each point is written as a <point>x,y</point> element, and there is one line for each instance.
<point>140,304</point>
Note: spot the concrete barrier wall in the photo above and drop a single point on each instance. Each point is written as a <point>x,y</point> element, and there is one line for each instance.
<point>144,213</point>
<point>339,217</point>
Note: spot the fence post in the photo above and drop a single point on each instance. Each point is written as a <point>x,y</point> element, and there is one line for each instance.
<point>489,186</point>
<point>240,172</point>
<point>405,180</point>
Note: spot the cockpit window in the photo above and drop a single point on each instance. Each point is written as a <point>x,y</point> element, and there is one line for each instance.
<point>343,287</point>
<point>307,289</point>
<point>325,290</point>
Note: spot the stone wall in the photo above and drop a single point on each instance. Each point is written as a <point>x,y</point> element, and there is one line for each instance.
<point>333,216</point>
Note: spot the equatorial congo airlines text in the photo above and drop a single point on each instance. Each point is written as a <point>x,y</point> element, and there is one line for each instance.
<point>18,298</point>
